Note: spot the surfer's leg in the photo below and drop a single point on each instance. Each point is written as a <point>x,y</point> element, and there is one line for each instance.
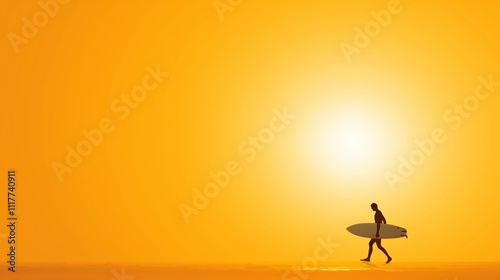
<point>379,245</point>
<point>370,250</point>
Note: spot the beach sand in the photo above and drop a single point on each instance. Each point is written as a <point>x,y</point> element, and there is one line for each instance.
<point>340,271</point>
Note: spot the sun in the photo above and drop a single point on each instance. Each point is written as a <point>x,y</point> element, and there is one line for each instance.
<point>351,143</point>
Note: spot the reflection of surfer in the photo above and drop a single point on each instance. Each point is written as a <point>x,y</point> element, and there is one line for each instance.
<point>379,218</point>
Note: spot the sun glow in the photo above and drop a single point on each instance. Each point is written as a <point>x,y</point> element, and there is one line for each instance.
<point>351,143</point>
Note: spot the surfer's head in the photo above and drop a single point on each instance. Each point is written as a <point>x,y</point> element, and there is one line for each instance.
<point>374,206</point>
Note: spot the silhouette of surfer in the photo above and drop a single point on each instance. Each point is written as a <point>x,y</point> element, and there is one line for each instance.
<point>379,218</point>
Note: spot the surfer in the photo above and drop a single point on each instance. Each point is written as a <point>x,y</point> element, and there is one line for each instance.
<point>379,218</point>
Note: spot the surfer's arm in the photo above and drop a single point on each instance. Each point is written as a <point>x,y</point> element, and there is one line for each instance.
<point>378,229</point>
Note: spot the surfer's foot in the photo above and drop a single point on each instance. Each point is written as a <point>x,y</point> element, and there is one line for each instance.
<point>365,260</point>
<point>389,260</point>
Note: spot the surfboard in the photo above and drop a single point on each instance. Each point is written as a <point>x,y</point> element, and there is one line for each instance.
<point>369,230</point>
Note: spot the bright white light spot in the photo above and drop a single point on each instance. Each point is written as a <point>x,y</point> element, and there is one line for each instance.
<point>351,144</point>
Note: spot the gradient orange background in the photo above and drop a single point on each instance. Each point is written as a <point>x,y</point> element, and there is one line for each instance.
<point>226,77</point>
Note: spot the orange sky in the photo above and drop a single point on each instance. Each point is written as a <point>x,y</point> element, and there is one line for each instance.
<point>290,115</point>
